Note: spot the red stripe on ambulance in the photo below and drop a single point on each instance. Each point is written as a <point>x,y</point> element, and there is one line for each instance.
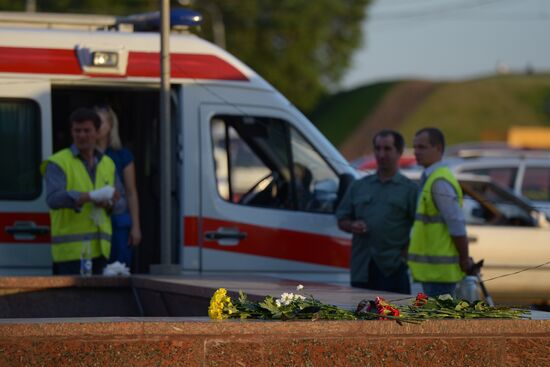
<point>275,243</point>
<point>140,64</point>
<point>194,66</point>
<point>38,61</point>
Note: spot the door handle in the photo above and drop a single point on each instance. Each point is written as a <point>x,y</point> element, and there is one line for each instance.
<point>26,230</point>
<point>226,236</point>
<point>472,239</point>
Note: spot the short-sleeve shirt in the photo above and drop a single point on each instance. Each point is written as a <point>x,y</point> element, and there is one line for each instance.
<point>122,158</point>
<point>388,209</point>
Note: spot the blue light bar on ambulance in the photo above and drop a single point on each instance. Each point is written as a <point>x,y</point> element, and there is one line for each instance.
<point>151,21</point>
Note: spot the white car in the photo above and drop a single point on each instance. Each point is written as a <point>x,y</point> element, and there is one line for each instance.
<point>511,236</point>
<point>526,174</point>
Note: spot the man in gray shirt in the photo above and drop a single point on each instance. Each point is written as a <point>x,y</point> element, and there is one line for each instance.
<point>438,253</point>
<point>379,211</point>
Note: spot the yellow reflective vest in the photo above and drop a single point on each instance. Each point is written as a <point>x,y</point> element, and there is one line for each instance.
<point>70,228</point>
<point>432,255</point>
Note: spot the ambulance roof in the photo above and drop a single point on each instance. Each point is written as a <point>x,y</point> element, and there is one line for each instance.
<point>65,53</point>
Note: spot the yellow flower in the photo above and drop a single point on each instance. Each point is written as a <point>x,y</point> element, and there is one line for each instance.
<point>218,304</point>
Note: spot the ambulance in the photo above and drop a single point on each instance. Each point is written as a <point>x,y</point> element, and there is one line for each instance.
<point>255,184</point>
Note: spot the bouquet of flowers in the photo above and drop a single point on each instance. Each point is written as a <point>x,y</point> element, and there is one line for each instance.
<point>289,306</point>
<point>295,306</point>
<point>447,307</point>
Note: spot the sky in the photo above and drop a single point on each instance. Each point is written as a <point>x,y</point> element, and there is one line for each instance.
<point>451,39</point>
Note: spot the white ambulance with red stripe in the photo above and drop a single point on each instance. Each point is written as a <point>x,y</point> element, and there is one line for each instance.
<point>255,185</point>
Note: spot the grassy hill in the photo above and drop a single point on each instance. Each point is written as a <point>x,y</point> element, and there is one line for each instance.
<point>484,109</point>
<point>339,115</point>
<point>472,110</point>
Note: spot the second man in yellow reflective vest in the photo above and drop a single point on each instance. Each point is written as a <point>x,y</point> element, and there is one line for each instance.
<point>438,252</point>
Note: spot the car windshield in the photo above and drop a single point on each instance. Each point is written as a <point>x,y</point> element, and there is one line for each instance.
<point>488,203</point>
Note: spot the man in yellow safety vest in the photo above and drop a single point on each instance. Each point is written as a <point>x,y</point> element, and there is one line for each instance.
<point>81,194</point>
<point>438,251</point>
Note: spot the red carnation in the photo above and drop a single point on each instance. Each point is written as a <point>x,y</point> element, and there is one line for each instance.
<point>385,309</point>
<point>421,299</point>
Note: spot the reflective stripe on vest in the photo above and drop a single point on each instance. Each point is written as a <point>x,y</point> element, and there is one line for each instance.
<point>426,219</point>
<point>81,237</point>
<point>430,259</point>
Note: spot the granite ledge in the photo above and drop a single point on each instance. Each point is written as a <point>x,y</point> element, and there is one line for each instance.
<point>61,281</point>
<point>201,326</point>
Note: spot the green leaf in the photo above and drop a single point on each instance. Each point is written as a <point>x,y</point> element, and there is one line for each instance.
<point>270,305</point>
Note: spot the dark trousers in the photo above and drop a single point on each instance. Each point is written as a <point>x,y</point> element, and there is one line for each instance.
<point>73,267</point>
<point>397,282</point>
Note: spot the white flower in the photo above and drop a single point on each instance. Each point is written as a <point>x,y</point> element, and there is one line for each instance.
<point>288,298</point>
<point>299,287</point>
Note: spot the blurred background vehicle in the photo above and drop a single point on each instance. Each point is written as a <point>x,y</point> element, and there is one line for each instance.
<point>510,235</point>
<point>525,172</point>
<point>368,162</point>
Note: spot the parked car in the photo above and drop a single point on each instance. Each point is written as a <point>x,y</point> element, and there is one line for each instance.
<point>526,173</point>
<point>510,235</point>
<point>368,162</point>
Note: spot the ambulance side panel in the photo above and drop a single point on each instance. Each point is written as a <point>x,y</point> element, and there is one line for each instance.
<point>25,140</point>
<point>242,231</point>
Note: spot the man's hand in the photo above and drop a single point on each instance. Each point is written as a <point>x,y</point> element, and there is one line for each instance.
<point>467,264</point>
<point>358,227</point>
<point>105,197</point>
<point>105,204</point>
<point>102,195</point>
<point>461,244</point>
<point>353,226</point>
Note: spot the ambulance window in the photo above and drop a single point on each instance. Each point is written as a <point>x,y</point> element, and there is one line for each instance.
<point>253,157</point>
<point>19,137</point>
<point>316,182</point>
<point>249,156</point>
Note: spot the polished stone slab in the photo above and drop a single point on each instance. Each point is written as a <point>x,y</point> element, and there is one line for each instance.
<point>198,341</point>
<point>202,342</point>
